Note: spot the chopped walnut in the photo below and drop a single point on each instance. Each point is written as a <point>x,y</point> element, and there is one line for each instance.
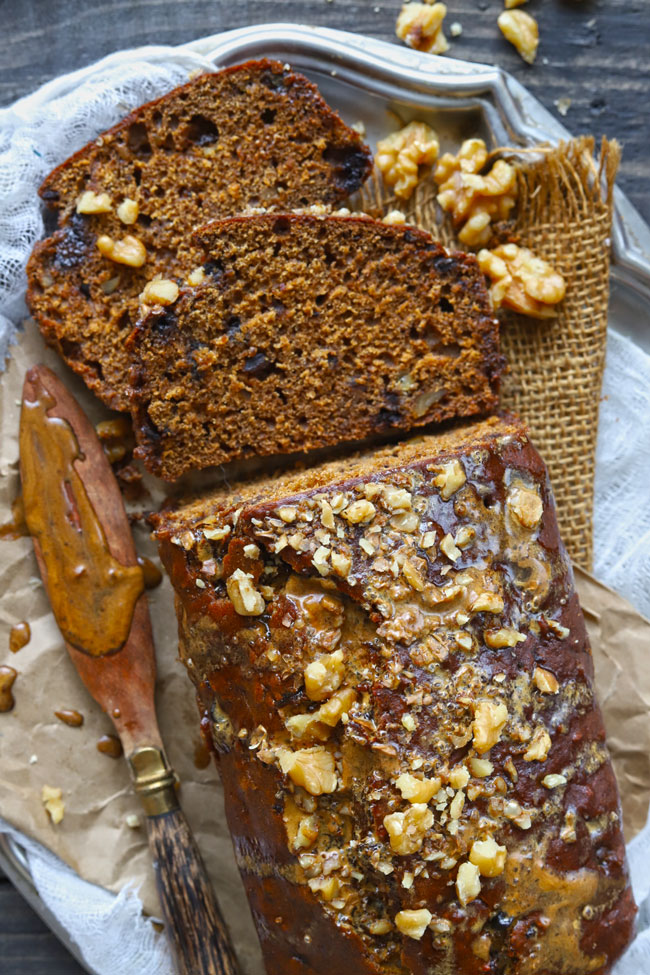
<point>420,26</point>
<point>339,704</point>
<point>545,681</point>
<point>394,218</point>
<point>522,281</point>
<point>327,887</point>
<point>489,720</point>
<point>159,291</point>
<point>128,211</point>
<point>413,923</point>
<point>341,564</point>
<point>481,767</point>
<point>307,833</point>
<point>458,777</point>
<point>312,768</point>
<point>539,746</point>
<point>52,799</point>
<point>406,830</point>
<point>450,478</point>
<point>400,155</point>
<point>522,31</point>
<point>475,200</point>
<point>324,676</point>
<point>413,576</point>
<point>380,926</point>
<point>504,637</point>
<point>195,277</point>
<point>488,856</point>
<point>287,514</point>
<point>525,505</point>
<point>554,781</point>
<point>487,602</point>
<point>129,250</point>
<point>243,594</point>
<point>359,512</point>
<point>397,499</point>
<point>417,790</point>
<point>90,202</point>
<point>449,548</point>
<point>468,883</point>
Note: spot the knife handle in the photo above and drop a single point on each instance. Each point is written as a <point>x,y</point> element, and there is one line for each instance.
<point>193,921</point>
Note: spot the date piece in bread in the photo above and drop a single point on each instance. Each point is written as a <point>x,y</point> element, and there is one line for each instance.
<point>252,135</point>
<point>393,666</point>
<point>311,331</point>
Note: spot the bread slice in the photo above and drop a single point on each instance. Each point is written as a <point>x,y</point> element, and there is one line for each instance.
<point>392,663</point>
<point>311,331</point>
<point>252,135</point>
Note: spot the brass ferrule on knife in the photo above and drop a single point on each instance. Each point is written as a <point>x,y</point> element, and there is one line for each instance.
<point>154,780</point>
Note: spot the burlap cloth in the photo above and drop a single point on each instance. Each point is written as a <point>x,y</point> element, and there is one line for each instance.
<point>564,214</point>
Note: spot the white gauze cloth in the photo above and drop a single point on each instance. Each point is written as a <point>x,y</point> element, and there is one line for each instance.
<point>39,132</point>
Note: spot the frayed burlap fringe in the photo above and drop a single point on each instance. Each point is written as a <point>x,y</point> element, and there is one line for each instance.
<point>555,370</point>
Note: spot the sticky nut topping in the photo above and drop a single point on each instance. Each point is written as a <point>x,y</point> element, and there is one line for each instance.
<point>468,883</point>
<point>420,26</point>
<point>324,675</point>
<point>525,505</point>
<point>129,250</point>
<point>489,720</point>
<point>522,31</point>
<point>522,281</point>
<point>406,830</point>
<point>312,768</point>
<point>359,512</point>
<point>450,478</point>
<point>413,924</point>
<point>400,155</point>
<point>159,291</point>
<point>488,856</point>
<point>91,202</point>
<point>52,799</point>
<point>417,790</point>
<point>503,637</point>
<point>545,681</point>
<point>539,747</point>
<point>473,199</point>
<point>243,594</point>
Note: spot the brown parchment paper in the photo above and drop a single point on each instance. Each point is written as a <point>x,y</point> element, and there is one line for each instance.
<point>94,837</point>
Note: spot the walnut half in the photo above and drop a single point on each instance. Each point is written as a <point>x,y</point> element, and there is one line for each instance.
<point>522,281</point>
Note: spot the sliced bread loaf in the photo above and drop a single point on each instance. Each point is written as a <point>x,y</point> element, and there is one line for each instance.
<point>255,134</point>
<point>310,331</point>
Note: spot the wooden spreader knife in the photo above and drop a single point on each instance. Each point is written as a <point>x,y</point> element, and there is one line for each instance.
<point>85,551</point>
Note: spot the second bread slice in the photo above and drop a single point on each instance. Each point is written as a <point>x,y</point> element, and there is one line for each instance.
<point>311,331</point>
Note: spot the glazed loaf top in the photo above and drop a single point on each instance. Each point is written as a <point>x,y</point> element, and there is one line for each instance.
<point>393,664</point>
<point>255,134</point>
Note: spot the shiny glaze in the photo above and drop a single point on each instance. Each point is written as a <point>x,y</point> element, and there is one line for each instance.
<point>93,595</point>
<point>111,746</point>
<point>150,571</point>
<point>7,677</point>
<point>19,636</point>
<point>70,717</point>
<point>562,906</point>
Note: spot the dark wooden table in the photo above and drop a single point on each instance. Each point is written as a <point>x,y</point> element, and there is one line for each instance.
<point>594,52</point>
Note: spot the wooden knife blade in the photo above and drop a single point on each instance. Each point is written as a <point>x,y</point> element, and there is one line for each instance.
<point>86,554</point>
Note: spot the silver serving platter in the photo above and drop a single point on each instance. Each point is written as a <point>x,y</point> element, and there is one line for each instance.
<point>375,82</point>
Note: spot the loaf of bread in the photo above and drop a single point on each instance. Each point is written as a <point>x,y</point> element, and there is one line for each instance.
<point>309,331</point>
<point>392,666</point>
<point>252,135</point>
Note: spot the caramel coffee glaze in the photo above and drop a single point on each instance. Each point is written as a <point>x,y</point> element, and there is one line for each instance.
<point>93,595</point>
